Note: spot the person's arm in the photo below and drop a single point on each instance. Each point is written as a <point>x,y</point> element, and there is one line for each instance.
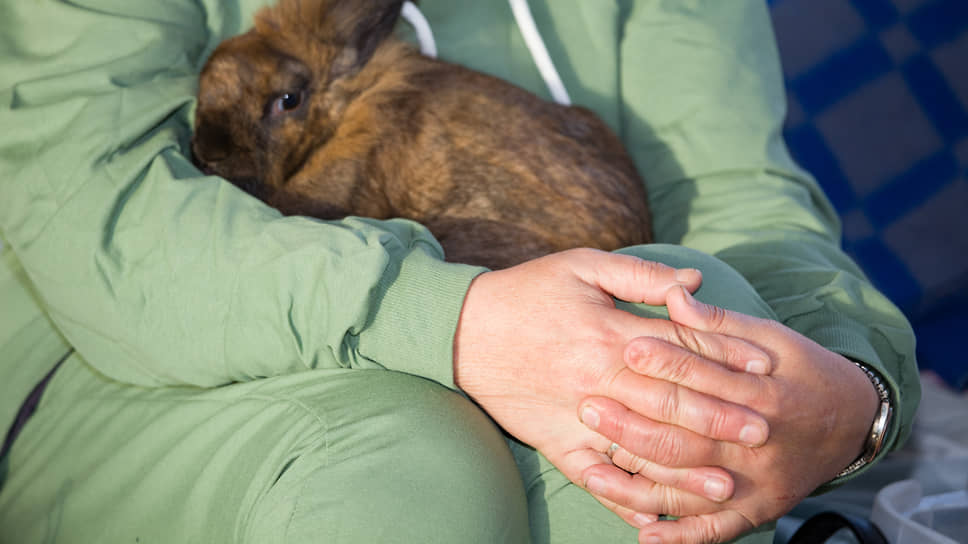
<point>704,104</point>
<point>160,276</point>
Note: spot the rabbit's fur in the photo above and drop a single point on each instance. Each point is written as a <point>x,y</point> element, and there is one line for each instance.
<point>319,111</point>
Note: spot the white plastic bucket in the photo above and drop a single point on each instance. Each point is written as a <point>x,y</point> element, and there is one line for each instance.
<point>904,516</point>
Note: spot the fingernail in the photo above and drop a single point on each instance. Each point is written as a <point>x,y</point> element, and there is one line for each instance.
<point>596,485</point>
<point>641,520</point>
<point>653,540</point>
<point>691,300</point>
<point>589,416</point>
<point>715,489</point>
<point>687,275</point>
<point>752,435</point>
<point>757,366</point>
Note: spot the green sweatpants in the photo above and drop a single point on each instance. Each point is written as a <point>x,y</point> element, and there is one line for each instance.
<point>319,456</point>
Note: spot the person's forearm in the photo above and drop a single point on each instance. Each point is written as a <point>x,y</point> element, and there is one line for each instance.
<point>160,276</point>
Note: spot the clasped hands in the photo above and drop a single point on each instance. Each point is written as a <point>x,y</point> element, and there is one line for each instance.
<point>723,420</point>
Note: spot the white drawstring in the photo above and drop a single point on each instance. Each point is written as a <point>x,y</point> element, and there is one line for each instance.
<point>425,37</point>
<point>529,30</point>
<point>532,38</point>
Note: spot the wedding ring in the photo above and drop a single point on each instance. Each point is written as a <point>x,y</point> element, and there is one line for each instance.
<point>611,450</point>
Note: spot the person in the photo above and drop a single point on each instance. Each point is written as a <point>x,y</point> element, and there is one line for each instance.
<point>225,374</point>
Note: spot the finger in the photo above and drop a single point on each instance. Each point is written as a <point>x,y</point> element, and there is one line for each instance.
<point>731,351</point>
<point>575,462</point>
<point>686,310</point>
<point>632,279</point>
<point>686,344</point>
<point>640,494</point>
<point>660,443</point>
<point>703,529</point>
<point>713,483</point>
<point>656,358</point>
<point>636,519</point>
<point>666,402</point>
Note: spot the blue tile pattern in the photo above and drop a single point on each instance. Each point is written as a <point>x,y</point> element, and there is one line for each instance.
<point>879,114</point>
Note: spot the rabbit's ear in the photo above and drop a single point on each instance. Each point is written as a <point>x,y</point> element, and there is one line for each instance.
<point>360,26</point>
<point>357,27</point>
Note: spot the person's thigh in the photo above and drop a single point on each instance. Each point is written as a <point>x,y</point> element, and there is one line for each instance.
<point>337,456</point>
<point>562,512</point>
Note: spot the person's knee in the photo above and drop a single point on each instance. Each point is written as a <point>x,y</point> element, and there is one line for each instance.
<point>412,462</point>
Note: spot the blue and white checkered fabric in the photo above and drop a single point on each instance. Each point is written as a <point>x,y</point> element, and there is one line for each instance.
<point>878,93</point>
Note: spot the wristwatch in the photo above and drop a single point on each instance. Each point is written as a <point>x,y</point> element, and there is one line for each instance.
<point>882,421</point>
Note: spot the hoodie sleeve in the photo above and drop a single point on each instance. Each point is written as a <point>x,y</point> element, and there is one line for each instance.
<point>703,106</point>
<point>159,276</point>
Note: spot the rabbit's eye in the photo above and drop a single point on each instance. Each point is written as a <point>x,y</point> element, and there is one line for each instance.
<point>286,102</point>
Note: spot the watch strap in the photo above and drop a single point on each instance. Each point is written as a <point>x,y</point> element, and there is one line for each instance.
<point>879,429</point>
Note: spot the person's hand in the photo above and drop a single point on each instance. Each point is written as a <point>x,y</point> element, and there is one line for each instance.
<point>535,339</point>
<point>819,406</point>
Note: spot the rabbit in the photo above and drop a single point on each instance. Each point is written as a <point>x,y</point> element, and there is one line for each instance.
<point>320,111</point>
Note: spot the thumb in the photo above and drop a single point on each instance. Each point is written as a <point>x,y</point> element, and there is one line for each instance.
<point>632,279</point>
<point>686,310</point>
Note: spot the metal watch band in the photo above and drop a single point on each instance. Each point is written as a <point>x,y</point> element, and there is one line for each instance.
<point>882,420</point>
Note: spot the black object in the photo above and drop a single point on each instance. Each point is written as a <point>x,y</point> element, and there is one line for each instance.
<point>28,407</point>
<point>822,526</point>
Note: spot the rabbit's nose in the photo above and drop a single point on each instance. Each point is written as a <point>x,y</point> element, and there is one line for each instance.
<point>208,167</point>
<point>199,162</point>
<point>211,143</point>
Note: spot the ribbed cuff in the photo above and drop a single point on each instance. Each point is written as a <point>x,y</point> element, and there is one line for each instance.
<point>414,324</point>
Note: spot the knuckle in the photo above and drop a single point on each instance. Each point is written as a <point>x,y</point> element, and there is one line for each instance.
<point>705,530</point>
<point>644,270</point>
<point>680,367</point>
<point>649,496</point>
<point>687,338</point>
<point>636,465</point>
<point>718,422</point>
<point>673,500</point>
<point>612,421</point>
<point>717,317</point>
<point>668,448</point>
<point>736,352</point>
<point>719,347</point>
<point>620,428</point>
<point>716,532</point>
<point>645,355</point>
<point>707,534</point>
<point>772,405</point>
<point>669,404</point>
<point>589,380</point>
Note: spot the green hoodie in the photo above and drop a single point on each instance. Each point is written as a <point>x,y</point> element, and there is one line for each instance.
<point>159,276</point>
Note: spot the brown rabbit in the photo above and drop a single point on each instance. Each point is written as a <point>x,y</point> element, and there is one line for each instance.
<point>319,111</point>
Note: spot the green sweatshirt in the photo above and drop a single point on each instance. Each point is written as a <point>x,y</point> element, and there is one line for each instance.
<point>159,276</point>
